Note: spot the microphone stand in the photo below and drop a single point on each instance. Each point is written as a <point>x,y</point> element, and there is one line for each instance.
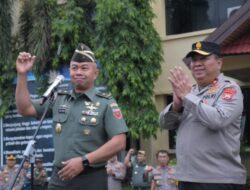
<point>32,163</point>
<point>30,148</point>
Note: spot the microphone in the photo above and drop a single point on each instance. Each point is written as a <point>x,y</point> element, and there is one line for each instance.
<point>59,79</point>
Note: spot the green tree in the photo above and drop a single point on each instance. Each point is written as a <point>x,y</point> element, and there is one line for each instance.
<point>34,34</point>
<point>130,52</point>
<point>39,38</point>
<point>7,71</point>
<point>69,27</point>
<point>26,21</point>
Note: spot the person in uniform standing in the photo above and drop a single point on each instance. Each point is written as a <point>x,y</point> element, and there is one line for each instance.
<point>208,118</point>
<point>163,176</point>
<point>140,170</point>
<point>116,173</point>
<point>88,125</point>
<point>9,173</point>
<point>26,173</point>
<point>40,175</point>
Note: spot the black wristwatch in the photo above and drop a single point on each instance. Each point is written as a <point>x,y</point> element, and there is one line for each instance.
<point>85,161</point>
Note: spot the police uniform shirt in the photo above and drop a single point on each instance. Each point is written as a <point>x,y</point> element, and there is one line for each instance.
<point>119,170</point>
<point>208,136</point>
<point>164,178</point>
<point>7,178</point>
<point>83,122</point>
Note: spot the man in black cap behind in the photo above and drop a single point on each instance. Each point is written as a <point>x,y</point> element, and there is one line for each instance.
<point>88,126</point>
<point>208,118</point>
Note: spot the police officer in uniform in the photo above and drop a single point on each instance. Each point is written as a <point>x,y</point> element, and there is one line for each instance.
<point>208,118</point>
<point>116,173</point>
<point>9,173</point>
<point>163,176</point>
<point>88,125</point>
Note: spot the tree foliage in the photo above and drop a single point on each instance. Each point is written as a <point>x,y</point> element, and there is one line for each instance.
<point>39,41</point>
<point>26,21</point>
<point>7,70</point>
<point>69,27</point>
<point>129,49</point>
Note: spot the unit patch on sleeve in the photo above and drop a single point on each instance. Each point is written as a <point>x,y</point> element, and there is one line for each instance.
<point>116,111</point>
<point>228,93</point>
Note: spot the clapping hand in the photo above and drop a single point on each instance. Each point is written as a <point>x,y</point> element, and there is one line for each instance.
<point>181,86</point>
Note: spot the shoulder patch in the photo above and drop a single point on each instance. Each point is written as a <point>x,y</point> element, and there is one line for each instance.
<point>106,95</point>
<point>228,93</point>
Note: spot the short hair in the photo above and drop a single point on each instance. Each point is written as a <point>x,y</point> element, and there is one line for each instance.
<point>161,151</point>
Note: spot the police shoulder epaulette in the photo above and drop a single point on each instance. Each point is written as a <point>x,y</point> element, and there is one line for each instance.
<point>63,92</point>
<point>106,95</point>
<point>228,81</point>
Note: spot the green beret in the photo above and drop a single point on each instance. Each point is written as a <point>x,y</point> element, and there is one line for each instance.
<point>83,54</point>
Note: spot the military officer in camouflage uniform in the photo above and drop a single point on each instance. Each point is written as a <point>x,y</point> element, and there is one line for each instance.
<point>208,118</point>
<point>9,173</point>
<point>88,125</point>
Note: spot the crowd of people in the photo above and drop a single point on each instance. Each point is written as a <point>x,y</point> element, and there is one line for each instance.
<point>141,176</point>
<point>24,180</point>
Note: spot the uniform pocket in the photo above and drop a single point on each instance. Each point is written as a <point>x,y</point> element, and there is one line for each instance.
<point>61,114</point>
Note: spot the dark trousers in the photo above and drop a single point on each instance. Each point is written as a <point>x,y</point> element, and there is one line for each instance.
<point>141,188</point>
<point>90,179</point>
<point>209,186</point>
<point>39,187</point>
<point>26,187</point>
